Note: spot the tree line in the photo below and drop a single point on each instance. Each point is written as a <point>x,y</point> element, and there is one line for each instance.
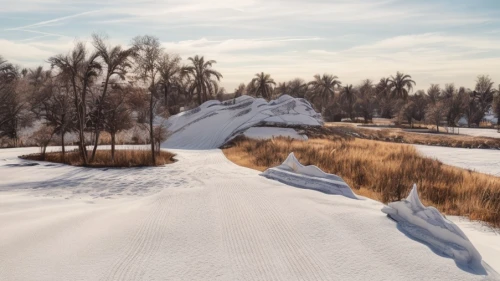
<point>98,87</point>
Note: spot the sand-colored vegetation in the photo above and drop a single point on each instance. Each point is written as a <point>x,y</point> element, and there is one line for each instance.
<point>382,171</point>
<point>122,158</point>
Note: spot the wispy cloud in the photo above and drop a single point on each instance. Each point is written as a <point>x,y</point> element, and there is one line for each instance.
<point>47,22</point>
<point>435,41</point>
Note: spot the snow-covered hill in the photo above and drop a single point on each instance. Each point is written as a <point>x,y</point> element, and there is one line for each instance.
<point>214,123</point>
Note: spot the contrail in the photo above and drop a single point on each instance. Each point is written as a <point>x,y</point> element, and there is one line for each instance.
<point>53,20</point>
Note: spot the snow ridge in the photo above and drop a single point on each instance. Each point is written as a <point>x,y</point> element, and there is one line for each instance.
<point>427,224</point>
<point>214,123</point>
<point>293,173</point>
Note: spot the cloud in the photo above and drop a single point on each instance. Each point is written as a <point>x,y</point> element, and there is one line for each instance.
<point>47,22</point>
<point>434,41</point>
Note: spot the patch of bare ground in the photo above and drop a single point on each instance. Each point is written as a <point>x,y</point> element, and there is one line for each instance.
<point>122,158</point>
<point>381,171</point>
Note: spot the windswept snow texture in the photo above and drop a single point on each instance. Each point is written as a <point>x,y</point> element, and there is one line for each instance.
<point>428,225</point>
<point>310,177</point>
<point>214,122</point>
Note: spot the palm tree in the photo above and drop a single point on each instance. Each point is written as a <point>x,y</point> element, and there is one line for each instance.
<point>263,85</point>
<point>117,62</point>
<point>169,74</point>
<point>79,69</point>
<point>201,72</point>
<point>385,104</point>
<point>282,88</point>
<point>323,87</point>
<point>401,85</point>
<point>434,93</point>
<point>348,98</point>
<point>297,88</point>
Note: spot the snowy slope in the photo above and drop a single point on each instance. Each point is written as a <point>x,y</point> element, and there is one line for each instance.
<point>201,218</point>
<point>214,123</point>
<point>480,160</point>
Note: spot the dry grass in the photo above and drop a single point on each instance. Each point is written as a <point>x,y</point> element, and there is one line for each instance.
<point>400,136</point>
<point>123,158</point>
<point>382,171</point>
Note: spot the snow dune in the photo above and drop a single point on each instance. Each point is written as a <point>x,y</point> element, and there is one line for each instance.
<point>293,173</point>
<point>428,225</point>
<point>214,123</point>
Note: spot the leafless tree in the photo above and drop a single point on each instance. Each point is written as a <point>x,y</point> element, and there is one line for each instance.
<point>148,53</point>
<point>116,114</point>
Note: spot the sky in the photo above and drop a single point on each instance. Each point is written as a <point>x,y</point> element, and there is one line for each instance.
<point>435,41</point>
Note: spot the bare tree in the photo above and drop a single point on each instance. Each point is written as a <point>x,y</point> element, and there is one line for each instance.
<point>148,53</point>
<point>57,109</point>
<point>42,137</point>
<point>435,113</point>
<point>116,114</point>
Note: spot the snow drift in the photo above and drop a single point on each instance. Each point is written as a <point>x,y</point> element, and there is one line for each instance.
<point>428,225</point>
<point>293,173</point>
<point>214,123</point>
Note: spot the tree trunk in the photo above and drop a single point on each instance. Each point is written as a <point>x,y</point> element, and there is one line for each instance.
<point>113,134</point>
<point>151,128</point>
<point>98,120</point>
<point>62,146</point>
<point>96,143</point>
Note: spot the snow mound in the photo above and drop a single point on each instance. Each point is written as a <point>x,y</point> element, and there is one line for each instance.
<point>293,173</point>
<point>214,123</point>
<point>271,132</point>
<point>428,225</point>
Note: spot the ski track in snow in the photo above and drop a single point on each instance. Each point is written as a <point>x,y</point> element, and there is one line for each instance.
<point>207,219</point>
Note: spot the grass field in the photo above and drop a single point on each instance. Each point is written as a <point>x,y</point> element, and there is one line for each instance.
<point>123,158</point>
<point>382,171</point>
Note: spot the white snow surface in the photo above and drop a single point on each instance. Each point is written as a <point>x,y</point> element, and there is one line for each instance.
<point>293,173</point>
<point>201,218</point>
<point>271,132</point>
<point>214,123</point>
<point>428,225</point>
<point>476,132</point>
<point>485,161</point>
<point>485,239</point>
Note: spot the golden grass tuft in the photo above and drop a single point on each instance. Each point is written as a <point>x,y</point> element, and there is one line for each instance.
<point>123,158</point>
<point>382,171</point>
